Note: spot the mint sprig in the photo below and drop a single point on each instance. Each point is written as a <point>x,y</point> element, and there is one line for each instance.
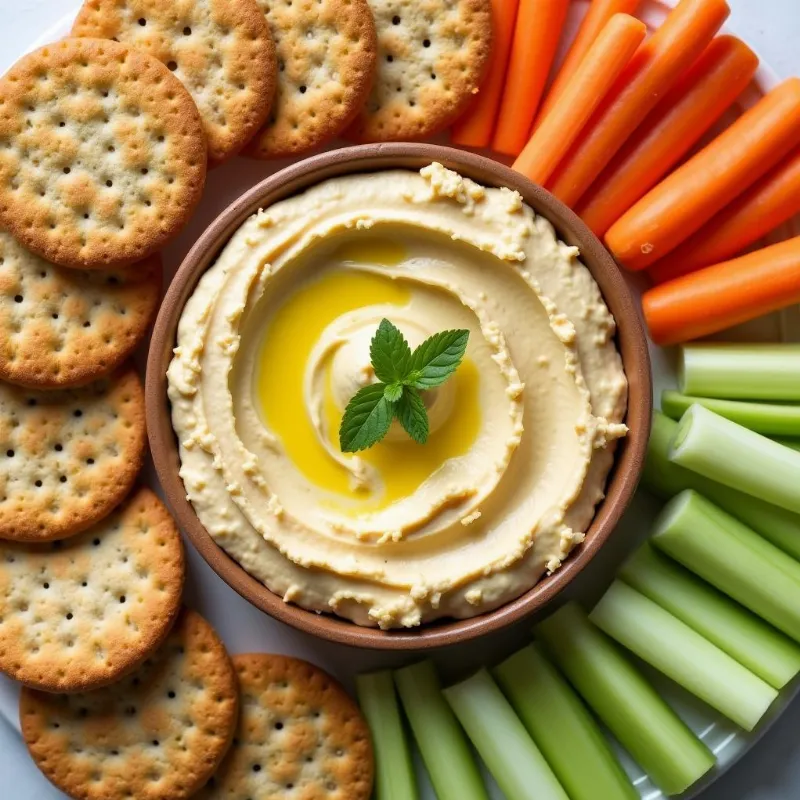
<point>401,375</point>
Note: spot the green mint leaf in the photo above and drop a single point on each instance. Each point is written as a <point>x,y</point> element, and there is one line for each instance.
<point>366,419</point>
<point>393,392</point>
<point>436,359</point>
<point>389,353</point>
<point>410,410</point>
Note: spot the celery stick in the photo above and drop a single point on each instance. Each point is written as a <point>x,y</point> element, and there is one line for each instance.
<point>665,479</point>
<point>771,419</point>
<point>757,543</point>
<point>741,371</point>
<point>793,443</point>
<point>690,530</point>
<point>553,714</point>
<point>736,457</point>
<point>394,770</point>
<point>683,655</point>
<point>502,741</point>
<point>630,707</point>
<point>731,627</point>
<point>444,747</point>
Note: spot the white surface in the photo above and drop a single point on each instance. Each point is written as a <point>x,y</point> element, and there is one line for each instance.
<point>770,772</point>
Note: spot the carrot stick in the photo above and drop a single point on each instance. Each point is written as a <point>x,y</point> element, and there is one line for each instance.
<point>726,294</point>
<point>698,189</point>
<point>652,71</point>
<point>766,204</point>
<point>698,100</point>
<point>589,84</point>
<point>536,35</point>
<point>599,13</point>
<point>474,128</point>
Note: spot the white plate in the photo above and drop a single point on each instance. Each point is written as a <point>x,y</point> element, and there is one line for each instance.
<point>246,629</point>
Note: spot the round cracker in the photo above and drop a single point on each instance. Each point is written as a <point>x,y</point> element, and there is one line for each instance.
<point>300,735</point>
<point>102,153</point>
<point>79,614</point>
<point>63,327</point>
<point>156,735</point>
<point>68,456</point>
<point>326,62</point>
<point>221,50</point>
<point>431,59</point>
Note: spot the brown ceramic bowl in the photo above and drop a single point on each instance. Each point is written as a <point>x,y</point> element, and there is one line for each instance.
<point>631,341</point>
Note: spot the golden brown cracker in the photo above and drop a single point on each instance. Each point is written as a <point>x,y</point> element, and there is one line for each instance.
<point>432,56</point>
<point>326,53</point>
<point>79,614</point>
<point>221,50</point>
<point>62,327</point>
<point>156,735</point>
<point>300,736</point>
<point>102,153</point>
<point>68,456</point>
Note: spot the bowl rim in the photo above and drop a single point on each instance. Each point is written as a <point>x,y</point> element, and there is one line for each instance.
<point>631,343</point>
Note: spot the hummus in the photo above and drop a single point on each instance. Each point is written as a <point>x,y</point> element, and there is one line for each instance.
<point>275,340</point>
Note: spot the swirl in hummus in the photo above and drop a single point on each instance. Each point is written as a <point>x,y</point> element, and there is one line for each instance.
<point>275,340</point>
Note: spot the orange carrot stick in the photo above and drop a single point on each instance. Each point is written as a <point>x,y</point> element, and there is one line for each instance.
<point>765,205</point>
<point>652,71</point>
<point>599,13</point>
<point>536,35</point>
<point>693,193</point>
<point>474,128</point>
<point>726,294</point>
<point>698,100</point>
<point>604,61</point>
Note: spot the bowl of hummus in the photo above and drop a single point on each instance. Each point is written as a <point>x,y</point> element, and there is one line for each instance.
<point>534,443</point>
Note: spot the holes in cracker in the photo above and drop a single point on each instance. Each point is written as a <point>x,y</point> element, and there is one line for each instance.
<point>172,65</point>
<point>187,31</point>
<point>395,20</point>
<point>426,42</point>
<point>142,21</point>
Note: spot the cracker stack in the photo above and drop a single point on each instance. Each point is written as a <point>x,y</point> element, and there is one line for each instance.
<point>158,734</point>
<point>221,50</point>
<point>326,64</point>
<point>299,735</point>
<point>102,153</point>
<point>431,60</point>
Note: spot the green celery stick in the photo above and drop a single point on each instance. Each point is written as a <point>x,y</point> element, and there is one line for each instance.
<point>793,443</point>
<point>444,747</point>
<point>629,706</point>
<point>731,627</point>
<point>394,770</point>
<point>665,479</point>
<point>502,741</point>
<point>771,419</point>
<point>683,655</point>
<point>741,371</point>
<point>554,714</point>
<point>736,457</point>
<point>701,536</point>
